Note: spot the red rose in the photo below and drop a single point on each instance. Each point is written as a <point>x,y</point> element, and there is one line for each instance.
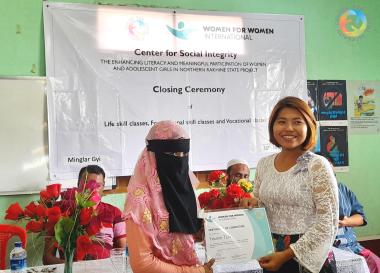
<point>216,176</point>
<point>40,210</point>
<point>69,194</point>
<point>95,197</point>
<point>35,210</point>
<point>216,204</point>
<point>53,214</point>
<point>212,176</point>
<point>204,199</point>
<point>53,190</point>
<point>83,246</point>
<point>214,193</point>
<point>228,202</point>
<point>235,191</point>
<point>14,212</point>
<point>44,196</point>
<point>67,207</point>
<point>85,216</point>
<point>90,185</point>
<point>30,210</point>
<point>35,226</point>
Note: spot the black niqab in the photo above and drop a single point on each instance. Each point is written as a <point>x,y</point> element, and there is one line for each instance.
<point>177,189</point>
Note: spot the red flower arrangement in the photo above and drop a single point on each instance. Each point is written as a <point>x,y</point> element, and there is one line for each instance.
<point>68,219</point>
<point>217,179</point>
<point>40,215</point>
<point>223,198</point>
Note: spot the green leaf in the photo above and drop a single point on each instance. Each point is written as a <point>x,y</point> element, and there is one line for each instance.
<point>63,228</point>
<point>88,204</point>
<point>82,199</point>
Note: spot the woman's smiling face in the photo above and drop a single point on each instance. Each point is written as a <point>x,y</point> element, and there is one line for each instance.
<point>290,129</point>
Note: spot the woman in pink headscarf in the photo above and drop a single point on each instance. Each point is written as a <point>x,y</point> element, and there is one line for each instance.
<point>161,207</point>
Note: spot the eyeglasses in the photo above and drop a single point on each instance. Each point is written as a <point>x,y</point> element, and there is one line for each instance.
<point>177,154</point>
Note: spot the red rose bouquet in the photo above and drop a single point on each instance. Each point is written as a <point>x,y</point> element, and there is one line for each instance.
<point>217,179</point>
<point>41,215</point>
<point>68,219</point>
<point>223,198</point>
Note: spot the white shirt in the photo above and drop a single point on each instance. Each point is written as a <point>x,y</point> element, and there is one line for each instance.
<point>301,200</point>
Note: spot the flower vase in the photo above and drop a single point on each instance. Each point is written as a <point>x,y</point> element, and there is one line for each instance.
<point>69,258</point>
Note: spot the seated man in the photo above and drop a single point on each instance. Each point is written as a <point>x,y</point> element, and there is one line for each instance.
<point>237,169</point>
<point>113,228</point>
<point>351,214</point>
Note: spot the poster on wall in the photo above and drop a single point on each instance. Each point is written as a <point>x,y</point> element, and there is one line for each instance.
<point>114,71</point>
<point>328,101</point>
<point>363,107</point>
<point>332,101</point>
<point>312,101</point>
<point>334,145</point>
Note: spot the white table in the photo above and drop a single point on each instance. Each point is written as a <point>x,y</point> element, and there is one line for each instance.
<point>94,266</point>
<point>347,262</point>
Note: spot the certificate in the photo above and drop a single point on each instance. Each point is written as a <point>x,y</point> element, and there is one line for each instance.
<point>234,236</point>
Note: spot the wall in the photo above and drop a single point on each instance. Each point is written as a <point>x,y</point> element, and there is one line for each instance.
<point>329,55</point>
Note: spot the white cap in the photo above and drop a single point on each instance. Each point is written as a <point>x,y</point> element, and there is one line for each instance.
<point>237,161</point>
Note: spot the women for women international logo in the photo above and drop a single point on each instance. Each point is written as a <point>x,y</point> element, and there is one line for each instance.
<point>353,23</point>
<point>180,32</point>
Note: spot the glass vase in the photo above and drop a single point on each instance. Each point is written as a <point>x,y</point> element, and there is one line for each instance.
<point>69,258</point>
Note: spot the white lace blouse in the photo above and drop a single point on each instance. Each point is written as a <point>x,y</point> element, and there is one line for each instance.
<point>301,200</point>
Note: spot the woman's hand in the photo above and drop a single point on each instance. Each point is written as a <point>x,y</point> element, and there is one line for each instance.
<point>208,266</point>
<point>249,203</point>
<point>275,260</point>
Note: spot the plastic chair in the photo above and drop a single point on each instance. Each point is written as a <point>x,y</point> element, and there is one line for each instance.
<point>6,232</point>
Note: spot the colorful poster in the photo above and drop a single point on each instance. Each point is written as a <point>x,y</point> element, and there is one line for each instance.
<point>234,236</point>
<point>332,100</point>
<point>363,107</point>
<point>312,87</point>
<point>334,145</point>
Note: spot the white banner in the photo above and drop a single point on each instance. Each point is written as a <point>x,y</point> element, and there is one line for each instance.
<point>114,71</point>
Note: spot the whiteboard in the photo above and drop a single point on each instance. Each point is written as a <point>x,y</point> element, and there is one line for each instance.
<point>24,166</point>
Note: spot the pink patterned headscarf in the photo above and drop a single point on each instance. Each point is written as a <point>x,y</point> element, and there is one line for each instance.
<point>145,204</point>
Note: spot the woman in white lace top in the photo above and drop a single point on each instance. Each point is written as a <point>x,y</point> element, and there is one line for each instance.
<point>300,194</point>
